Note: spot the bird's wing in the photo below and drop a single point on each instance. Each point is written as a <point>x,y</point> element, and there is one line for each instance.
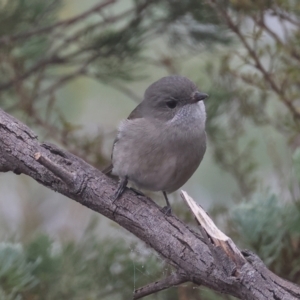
<point>135,114</point>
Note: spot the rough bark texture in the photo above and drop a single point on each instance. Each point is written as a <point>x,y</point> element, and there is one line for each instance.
<point>183,248</point>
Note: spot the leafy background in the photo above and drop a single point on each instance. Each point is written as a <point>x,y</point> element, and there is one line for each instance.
<point>72,76</point>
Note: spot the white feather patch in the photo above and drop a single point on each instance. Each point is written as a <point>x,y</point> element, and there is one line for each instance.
<point>123,124</point>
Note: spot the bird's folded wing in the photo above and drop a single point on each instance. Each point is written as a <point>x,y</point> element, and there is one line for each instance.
<point>135,114</point>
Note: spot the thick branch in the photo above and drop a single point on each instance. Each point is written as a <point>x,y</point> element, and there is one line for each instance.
<point>179,245</point>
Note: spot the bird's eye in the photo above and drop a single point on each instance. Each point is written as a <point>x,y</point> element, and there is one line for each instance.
<point>171,103</point>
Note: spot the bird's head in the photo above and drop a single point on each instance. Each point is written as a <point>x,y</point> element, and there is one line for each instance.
<point>166,97</point>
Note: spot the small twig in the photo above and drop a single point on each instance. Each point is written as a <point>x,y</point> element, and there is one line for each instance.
<point>286,17</point>
<point>68,22</point>
<point>53,60</point>
<point>257,62</point>
<point>128,92</point>
<point>154,287</point>
<point>90,28</point>
<point>57,170</point>
<point>275,36</point>
<point>67,78</point>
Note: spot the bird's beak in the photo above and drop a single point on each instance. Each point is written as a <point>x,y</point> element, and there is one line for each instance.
<point>198,96</point>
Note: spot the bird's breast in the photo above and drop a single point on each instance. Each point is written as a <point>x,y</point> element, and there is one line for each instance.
<point>189,123</point>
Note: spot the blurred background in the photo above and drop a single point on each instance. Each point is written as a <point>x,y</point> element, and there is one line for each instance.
<point>72,70</point>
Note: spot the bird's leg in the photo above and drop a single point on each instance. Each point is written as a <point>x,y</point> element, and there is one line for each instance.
<point>167,210</point>
<point>121,187</point>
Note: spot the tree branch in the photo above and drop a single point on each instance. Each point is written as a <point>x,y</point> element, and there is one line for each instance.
<point>172,280</point>
<point>24,35</point>
<point>189,252</point>
<point>257,62</point>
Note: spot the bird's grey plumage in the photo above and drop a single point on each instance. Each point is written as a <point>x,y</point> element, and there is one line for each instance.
<point>160,145</point>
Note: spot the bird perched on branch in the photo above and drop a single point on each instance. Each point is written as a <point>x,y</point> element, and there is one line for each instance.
<point>163,141</point>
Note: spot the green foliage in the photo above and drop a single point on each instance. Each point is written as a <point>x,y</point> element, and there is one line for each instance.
<point>21,15</point>
<point>40,55</point>
<point>296,163</point>
<point>43,269</point>
<point>89,269</point>
<point>192,22</point>
<point>120,53</point>
<point>271,229</point>
<point>226,127</point>
<point>255,84</point>
<point>252,75</point>
<point>16,272</point>
<point>263,223</point>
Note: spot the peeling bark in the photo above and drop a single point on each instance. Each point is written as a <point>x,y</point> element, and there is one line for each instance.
<point>186,250</point>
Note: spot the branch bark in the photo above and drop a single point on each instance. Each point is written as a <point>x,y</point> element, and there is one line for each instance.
<point>196,256</point>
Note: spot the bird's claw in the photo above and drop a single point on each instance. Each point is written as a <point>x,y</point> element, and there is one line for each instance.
<point>166,210</point>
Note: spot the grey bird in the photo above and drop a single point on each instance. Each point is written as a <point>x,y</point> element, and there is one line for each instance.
<point>163,141</point>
